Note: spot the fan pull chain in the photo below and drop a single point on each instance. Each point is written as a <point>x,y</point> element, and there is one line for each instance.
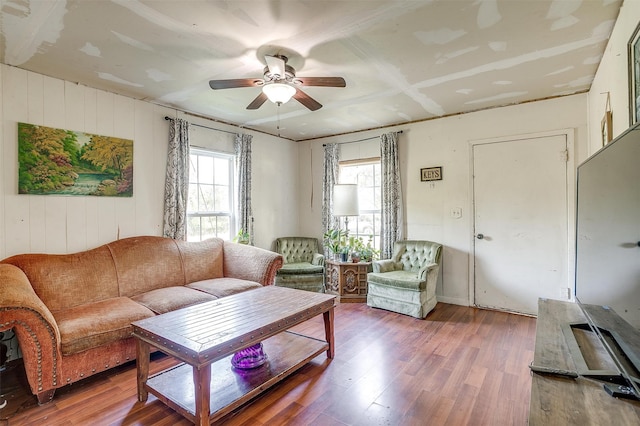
<point>278,112</point>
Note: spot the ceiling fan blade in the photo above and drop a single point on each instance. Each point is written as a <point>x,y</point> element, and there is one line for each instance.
<point>307,100</point>
<point>238,82</point>
<point>322,81</point>
<point>276,65</point>
<point>258,101</point>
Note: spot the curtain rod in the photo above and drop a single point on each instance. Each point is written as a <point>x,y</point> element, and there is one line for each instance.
<point>204,127</point>
<point>359,140</point>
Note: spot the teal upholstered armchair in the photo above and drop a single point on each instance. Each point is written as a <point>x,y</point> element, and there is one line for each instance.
<point>303,266</point>
<point>406,283</point>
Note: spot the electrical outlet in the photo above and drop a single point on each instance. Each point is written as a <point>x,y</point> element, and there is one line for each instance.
<point>456,212</point>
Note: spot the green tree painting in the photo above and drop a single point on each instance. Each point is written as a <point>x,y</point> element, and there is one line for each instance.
<point>65,162</point>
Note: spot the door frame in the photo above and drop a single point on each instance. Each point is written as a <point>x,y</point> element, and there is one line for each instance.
<point>569,134</point>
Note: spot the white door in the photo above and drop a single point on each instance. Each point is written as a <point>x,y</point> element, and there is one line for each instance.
<point>520,229</point>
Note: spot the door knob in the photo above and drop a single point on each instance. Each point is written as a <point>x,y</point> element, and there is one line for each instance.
<point>480,236</point>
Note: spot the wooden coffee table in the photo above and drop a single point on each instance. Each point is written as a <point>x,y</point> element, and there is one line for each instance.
<point>205,386</point>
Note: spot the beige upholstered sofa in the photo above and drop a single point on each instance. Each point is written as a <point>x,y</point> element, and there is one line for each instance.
<point>303,266</point>
<point>406,283</point>
<point>72,313</point>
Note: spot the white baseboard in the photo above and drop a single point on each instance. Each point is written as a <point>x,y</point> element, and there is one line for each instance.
<point>453,300</point>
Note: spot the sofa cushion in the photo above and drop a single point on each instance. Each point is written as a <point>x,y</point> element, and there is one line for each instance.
<point>402,279</point>
<point>168,299</point>
<point>99,323</point>
<point>221,287</point>
<point>146,263</point>
<point>202,260</point>
<point>63,281</point>
<point>300,268</point>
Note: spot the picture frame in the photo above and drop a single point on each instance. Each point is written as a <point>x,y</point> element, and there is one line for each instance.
<point>606,128</point>
<point>633,56</point>
<point>53,161</point>
<point>429,174</point>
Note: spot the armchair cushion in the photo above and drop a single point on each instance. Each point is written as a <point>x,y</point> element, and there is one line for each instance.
<point>382,266</point>
<point>400,279</point>
<point>415,255</point>
<point>300,268</point>
<point>299,250</point>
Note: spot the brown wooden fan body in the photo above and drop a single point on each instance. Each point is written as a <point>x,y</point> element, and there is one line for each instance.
<point>277,71</point>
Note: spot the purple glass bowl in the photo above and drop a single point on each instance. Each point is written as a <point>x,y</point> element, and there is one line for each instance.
<point>250,357</point>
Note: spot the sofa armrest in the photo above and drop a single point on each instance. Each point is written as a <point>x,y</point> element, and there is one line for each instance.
<point>35,327</point>
<point>318,259</point>
<point>250,263</point>
<point>423,272</point>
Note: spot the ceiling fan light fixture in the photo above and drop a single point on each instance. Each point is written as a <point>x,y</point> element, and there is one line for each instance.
<point>278,93</point>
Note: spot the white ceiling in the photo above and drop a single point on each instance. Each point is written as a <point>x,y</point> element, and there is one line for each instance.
<point>403,61</point>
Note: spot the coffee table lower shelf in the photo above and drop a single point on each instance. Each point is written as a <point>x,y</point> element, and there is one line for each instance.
<point>230,387</point>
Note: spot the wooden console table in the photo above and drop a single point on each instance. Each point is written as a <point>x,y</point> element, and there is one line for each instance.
<point>347,280</point>
<point>566,397</point>
<point>205,337</point>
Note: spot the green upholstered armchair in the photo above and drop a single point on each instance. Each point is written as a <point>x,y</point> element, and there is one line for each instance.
<point>406,283</point>
<point>303,266</point>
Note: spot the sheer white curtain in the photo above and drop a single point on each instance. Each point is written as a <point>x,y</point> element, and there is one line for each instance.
<point>176,186</point>
<point>392,212</point>
<point>242,147</point>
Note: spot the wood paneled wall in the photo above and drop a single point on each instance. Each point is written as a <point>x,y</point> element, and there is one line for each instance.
<point>65,224</point>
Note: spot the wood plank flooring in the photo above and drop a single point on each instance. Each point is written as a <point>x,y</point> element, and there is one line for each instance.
<point>459,366</point>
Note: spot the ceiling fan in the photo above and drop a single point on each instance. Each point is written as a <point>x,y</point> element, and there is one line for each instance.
<point>279,84</point>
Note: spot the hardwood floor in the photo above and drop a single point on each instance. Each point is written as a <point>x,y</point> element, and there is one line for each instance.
<point>459,366</point>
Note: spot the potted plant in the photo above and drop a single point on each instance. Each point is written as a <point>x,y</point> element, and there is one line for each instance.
<point>242,237</point>
<point>344,253</point>
<point>357,248</point>
<point>335,240</point>
<point>367,252</point>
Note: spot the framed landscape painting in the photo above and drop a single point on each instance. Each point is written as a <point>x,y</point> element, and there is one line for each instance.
<point>65,162</point>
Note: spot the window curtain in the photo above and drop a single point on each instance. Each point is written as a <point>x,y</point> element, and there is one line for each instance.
<point>242,145</point>
<point>176,185</point>
<point>391,217</point>
<point>329,178</point>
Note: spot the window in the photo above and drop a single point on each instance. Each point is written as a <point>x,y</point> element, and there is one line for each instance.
<point>366,173</point>
<point>210,203</point>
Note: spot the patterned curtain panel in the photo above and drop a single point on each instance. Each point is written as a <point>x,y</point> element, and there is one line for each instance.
<point>176,186</point>
<point>242,147</point>
<point>329,178</point>
<point>391,220</point>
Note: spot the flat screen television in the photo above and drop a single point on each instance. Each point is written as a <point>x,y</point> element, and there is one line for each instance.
<point>608,242</point>
<point>608,227</point>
